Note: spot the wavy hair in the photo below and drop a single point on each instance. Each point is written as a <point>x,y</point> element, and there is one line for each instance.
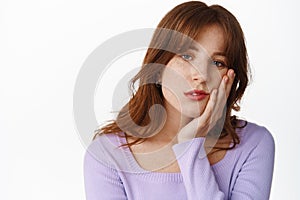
<point>187,18</point>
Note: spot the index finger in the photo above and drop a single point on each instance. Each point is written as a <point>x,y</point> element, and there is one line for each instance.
<point>230,76</point>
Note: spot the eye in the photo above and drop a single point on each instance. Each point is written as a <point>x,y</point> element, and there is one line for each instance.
<point>219,64</point>
<point>186,57</point>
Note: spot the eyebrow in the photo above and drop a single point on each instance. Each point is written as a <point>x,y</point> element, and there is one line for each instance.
<point>218,53</point>
<point>193,47</point>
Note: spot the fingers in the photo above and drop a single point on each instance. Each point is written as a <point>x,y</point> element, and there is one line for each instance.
<point>225,85</point>
<point>211,104</point>
<point>218,97</point>
<point>214,110</point>
<point>207,116</point>
<point>229,79</point>
<point>223,93</point>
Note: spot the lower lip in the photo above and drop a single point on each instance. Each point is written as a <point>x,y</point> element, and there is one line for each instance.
<point>196,97</point>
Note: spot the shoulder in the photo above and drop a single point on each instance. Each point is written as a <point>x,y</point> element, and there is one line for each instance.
<point>108,139</point>
<point>253,135</point>
<point>104,149</point>
<point>104,142</point>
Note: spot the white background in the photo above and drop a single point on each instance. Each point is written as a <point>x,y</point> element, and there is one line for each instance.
<point>43,45</point>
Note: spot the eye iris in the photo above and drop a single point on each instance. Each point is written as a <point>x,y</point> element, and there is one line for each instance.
<point>218,64</point>
<point>186,57</point>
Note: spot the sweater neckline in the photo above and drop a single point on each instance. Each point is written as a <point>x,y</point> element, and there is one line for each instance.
<point>149,175</point>
<point>171,176</point>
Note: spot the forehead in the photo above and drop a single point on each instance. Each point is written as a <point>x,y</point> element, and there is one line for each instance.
<point>211,38</point>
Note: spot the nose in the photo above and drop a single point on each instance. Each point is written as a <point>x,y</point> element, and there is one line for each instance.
<point>199,74</point>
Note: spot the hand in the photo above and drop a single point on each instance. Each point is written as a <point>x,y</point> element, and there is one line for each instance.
<point>200,126</point>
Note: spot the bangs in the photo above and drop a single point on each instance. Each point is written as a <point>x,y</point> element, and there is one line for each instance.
<point>189,24</point>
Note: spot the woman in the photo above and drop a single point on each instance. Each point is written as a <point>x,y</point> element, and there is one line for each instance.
<point>176,137</point>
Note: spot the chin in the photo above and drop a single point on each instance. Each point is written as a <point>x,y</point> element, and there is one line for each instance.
<point>187,109</point>
<point>192,113</point>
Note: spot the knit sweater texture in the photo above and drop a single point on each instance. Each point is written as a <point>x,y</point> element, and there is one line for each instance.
<point>245,173</point>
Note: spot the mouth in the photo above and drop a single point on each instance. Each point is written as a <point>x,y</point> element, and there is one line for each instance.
<point>196,95</point>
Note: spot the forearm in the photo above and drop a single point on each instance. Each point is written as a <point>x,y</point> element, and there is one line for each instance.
<point>198,177</point>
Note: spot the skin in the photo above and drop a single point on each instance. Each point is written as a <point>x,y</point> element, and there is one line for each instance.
<point>203,68</point>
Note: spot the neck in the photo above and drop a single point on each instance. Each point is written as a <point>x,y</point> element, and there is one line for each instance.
<point>174,123</point>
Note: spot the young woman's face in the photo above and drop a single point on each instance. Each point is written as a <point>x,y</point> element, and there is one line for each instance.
<point>189,77</point>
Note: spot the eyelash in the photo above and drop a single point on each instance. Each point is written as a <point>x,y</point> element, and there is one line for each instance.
<point>187,59</point>
<point>217,63</point>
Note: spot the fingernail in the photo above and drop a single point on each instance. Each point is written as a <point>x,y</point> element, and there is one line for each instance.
<point>232,74</point>
<point>225,79</point>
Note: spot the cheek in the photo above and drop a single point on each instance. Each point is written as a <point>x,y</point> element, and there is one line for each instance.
<point>216,77</point>
<point>171,98</point>
<point>177,66</point>
<point>174,78</point>
<point>169,95</point>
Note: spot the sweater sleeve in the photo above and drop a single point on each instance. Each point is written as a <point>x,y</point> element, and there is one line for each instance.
<point>198,177</point>
<point>101,181</point>
<point>253,181</point>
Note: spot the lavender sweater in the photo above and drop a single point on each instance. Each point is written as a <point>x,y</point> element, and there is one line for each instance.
<point>244,173</point>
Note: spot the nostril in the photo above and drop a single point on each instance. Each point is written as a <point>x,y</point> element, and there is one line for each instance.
<point>199,76</point>
<point>199,73</point>
<point>195,78</point>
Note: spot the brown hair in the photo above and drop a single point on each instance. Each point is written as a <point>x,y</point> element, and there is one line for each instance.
<point>187,18</point>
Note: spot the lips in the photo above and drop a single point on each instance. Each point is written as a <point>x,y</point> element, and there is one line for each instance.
<point>196,95</point>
